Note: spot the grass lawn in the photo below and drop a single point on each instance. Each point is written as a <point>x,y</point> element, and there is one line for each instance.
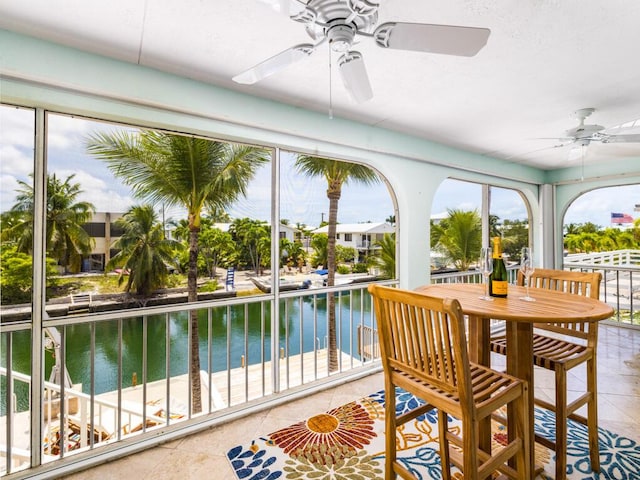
<point>100,284</point>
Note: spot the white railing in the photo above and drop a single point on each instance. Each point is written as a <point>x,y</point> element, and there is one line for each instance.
<point>620,286</point>
<point>617,258</point>
<point>469,276</point>
<point>474,276</point>
<point>70,425</point>
<point>126,400</point>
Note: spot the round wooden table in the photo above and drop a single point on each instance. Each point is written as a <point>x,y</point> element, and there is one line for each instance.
<point>549,307</point>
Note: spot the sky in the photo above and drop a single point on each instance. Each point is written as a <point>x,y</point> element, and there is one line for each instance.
<point>303,200</point>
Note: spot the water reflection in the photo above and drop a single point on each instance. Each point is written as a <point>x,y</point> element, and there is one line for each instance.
<point>236,331</point>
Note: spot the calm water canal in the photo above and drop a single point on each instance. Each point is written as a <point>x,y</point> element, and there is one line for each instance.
<point>233,334</point>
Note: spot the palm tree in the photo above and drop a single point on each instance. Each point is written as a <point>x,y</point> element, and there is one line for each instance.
<point>572,229</point>
<point>572,242</point>
<point>336,175</point>
<point>297,254</point>
<point>626,240</point>
<point>608,239</point>
<point>254,242</point>
<point>319,244</point>
<point>589,241</point>
<point>217,247</point>
<point>66,240</point>
<point>193,173</point>
<point>515,235</point>
<point>636,230</point>
<point>462,237</point>
<point>180,229</point>
<point>387,259</point>
<point>144,252</point>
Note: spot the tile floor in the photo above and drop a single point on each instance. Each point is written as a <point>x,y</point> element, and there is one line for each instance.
<point>202,455</point>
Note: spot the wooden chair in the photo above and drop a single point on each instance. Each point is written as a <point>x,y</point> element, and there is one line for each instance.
<point>574,344</point>
<point>424,351</point>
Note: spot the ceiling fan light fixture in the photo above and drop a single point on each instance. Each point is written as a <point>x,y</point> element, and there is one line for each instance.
<point>578,149</point>
<point>341,37</point>
<point>354,76</point>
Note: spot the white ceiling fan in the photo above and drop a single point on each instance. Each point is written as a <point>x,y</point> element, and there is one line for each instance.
<point>583,134</point>
<point>339,22</point>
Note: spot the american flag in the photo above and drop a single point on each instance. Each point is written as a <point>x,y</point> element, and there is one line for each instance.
<point>621,218</point>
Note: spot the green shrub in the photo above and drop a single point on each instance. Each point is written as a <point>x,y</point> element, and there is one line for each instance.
<point>16,276</point>
<point>175,280</point>
<point>360,268</point>
<point>210,286</point>
<point>343,269</point>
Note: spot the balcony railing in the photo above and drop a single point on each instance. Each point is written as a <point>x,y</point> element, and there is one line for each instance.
<point>620,285</point>
<point>124,376</point>
<point>128,371</point>
<point>470,276</point>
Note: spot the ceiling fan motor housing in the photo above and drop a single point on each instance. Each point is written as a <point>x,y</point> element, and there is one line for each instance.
<point>584,131</point>
<point>359,15</point>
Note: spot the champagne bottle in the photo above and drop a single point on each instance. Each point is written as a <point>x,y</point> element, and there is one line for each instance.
<point>498,278</point>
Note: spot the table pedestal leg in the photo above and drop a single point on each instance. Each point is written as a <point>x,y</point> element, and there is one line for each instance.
<point>520,364</point>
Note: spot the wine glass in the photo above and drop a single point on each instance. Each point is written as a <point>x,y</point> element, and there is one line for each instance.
<point>527,269</point>
<point>486,267</point>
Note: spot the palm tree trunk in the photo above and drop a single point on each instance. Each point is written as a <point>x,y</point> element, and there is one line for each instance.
<point>192,288</point>
<point>334,196</point>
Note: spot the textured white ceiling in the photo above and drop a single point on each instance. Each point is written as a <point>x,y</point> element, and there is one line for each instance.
<point>544,60</point>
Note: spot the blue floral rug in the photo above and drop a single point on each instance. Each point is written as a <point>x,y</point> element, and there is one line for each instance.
<point>347,443</point>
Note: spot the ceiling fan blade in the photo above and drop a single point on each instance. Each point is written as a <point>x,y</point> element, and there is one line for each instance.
<point>274,64</point>
<point>354,76</point>
<point>424,37</point>
<point>531,152</point>
<point>631,138</point>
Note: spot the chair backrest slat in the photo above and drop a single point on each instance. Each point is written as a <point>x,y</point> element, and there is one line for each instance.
<point>586,284</point>
<point>424,336</point>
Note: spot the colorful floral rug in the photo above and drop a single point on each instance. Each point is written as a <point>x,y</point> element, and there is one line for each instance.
<point>347,443</point>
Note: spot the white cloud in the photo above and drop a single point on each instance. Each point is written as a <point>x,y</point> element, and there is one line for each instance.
<point>17,127</point>
<point>84,178</point>
<point>596,206</point>
<point>15,161</point>
<point>66,132</point>
<point>109,201</point>
<point>104,196</point>
<point>9,185</point>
